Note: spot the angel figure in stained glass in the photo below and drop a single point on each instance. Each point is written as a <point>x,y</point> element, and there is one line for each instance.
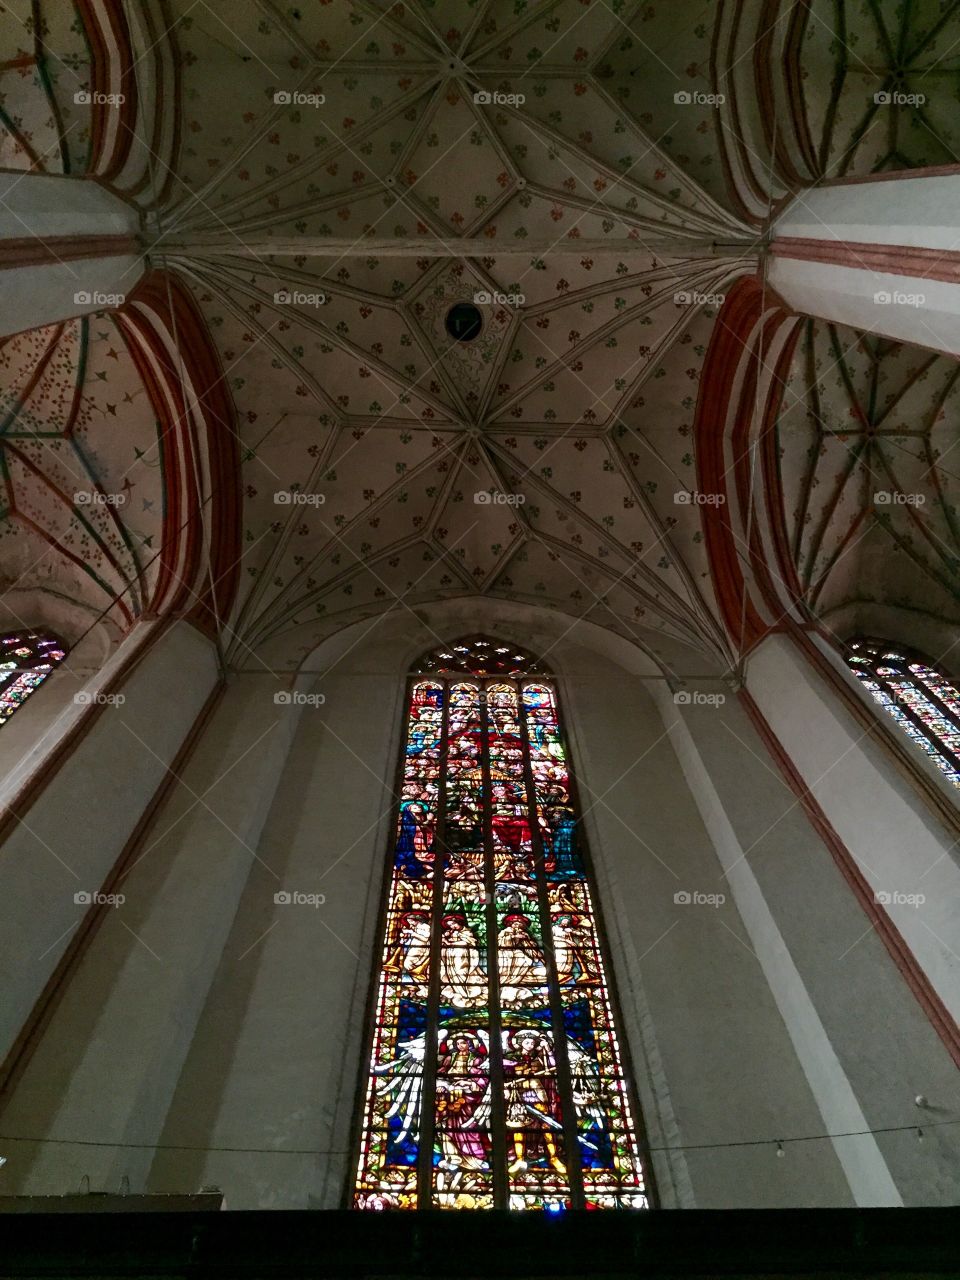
<point>402,1086</point>
<point>533,1103</point>
<point>463,1102</point>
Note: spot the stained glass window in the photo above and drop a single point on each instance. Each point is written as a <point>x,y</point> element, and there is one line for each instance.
<point>497,1076</point>
<point>922,701</point>
<point>26,659</point>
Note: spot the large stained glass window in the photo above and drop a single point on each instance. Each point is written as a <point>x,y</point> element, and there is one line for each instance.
<point>496,1073</point>
<point>922,701</point>
<point>26,659</point>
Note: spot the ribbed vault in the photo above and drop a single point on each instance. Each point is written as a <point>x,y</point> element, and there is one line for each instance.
<point>542,159</point>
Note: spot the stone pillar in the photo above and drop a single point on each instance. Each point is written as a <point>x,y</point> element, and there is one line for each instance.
<point>68,246</point>
<point>109,1061</point>
<point>73,802</point>
<point>896,852</point>
<point>880,254</point>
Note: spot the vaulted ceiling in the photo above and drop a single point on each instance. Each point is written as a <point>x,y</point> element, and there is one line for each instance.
<point>542,156</point>
<point>83,487</point>
<point>871,474</point>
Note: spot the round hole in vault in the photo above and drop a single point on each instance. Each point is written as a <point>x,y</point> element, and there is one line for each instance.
<point>464,322</point>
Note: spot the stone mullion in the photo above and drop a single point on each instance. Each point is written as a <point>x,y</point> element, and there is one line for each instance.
<point>561,1057</point>
<point>498,1119</point>
<point>431,1039</point>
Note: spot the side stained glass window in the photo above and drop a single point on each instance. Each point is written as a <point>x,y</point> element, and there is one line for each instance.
<point>922,701</point>
<point>26,659</point>
<point>496,1076</point>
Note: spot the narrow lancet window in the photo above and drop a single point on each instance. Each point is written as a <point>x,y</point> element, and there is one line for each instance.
<point>26,659</point>
<point>921,700</point>
<point>496,1074</point>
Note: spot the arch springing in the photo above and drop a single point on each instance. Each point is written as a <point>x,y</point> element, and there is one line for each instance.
<point>496,1078</point>
<point>26,659</point>
<point>919,698</point>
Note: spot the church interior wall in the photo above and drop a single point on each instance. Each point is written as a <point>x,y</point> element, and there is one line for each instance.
<point>867,1045</point>
<point>273,1063</point>
<point>197,1041</point>
<point>66,840</point>
<point>906,854</point>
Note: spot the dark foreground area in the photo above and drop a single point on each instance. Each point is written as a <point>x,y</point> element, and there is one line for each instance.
<point>172,1242</point>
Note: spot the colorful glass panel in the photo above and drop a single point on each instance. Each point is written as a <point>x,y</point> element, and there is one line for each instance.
<point>496,1077</point>
<point>26,659</point>
<point>480,656</point>
<point>921,701</point>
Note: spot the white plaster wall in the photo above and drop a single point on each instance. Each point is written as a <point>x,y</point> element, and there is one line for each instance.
<point>897,841</point>
<point>875,1030</point>
<point>51,205</point>
<point>925,313</point>
<point>40,295</point>
<point>69,838</point>
<point>276,1059</point>
<point>285,1013</point>
<point>113,1053</point>
<point>920,212</point>
<point>224,1031</point>
<point>46,205</point>
<point>729,1066</point>
<point>35,732</point>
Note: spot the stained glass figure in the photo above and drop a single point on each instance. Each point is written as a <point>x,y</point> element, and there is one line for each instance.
<point>26,659</point>
<point>921,700</point>
<point>496,1074</point>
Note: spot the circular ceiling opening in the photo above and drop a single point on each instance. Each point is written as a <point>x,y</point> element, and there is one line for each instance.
<point>464,322</point>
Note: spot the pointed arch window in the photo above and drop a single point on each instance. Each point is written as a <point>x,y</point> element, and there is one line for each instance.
<point>496,1075</point>
<point>26,659</point>
<point>921,700</point>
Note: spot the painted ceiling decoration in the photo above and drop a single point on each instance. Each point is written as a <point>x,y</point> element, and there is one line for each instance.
<point>355,395</point>
<point>870,473</point>
<point>90,88</point>
<point>321,184</point>
<point>749,354</point>
<point>830,89</point>
<point>125,532</point>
